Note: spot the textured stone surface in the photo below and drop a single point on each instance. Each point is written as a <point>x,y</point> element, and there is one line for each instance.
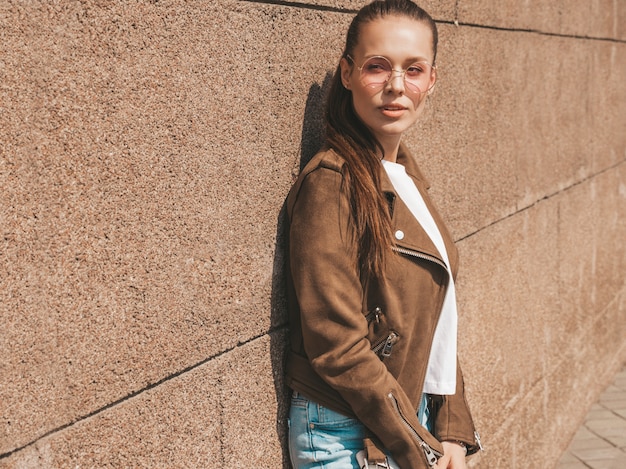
<point>509,279</point>
<point>542,335</point>
<point>176,424</point>
<point>144,171</point>
<point>254,403</point>
<point>207,414</point>
<point>145,153</point>
<point>592,270</point>
<point>597,19</point>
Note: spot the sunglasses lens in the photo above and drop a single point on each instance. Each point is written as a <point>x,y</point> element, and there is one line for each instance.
<point>375,72</point>
<point>419,77</point>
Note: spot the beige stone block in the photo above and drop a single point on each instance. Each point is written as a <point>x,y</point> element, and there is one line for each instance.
<point>600,19</point>
<point>229,412</point>
<point>620,380</point>
<point>583,433</point>
<point>599,414</point>
<point>177,424</point>
<point>591,216</point>
<point>576,464</point>
<point>615,460</point>
<point>569,458</point>
<point>612,429</point>
<point>616,405</point>
<point>507,283</point>
<point>602,456</point>
<point>606,141</point>
<point>255,405</point>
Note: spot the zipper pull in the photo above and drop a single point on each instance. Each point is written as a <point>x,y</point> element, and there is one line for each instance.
<point>389,344</point>
<point>374,315</point>
<point>431,457</point>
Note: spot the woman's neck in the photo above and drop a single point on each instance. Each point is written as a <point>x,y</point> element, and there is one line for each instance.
<point>391,150</point>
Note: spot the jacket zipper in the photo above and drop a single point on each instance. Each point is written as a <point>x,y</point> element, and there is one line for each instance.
<point>386,345</point>
<point>420,255</point>
<point>431,454</point>
<point>477,441</point>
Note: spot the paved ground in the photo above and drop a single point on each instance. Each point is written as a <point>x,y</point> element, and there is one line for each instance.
<point>601,440</point>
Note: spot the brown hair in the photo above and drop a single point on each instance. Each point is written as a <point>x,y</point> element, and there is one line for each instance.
<point>348,136</point>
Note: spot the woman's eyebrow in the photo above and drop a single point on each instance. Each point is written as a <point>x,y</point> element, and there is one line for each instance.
<point>419,58</point>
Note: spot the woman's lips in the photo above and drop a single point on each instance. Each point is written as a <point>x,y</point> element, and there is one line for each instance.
<point>392,110</point>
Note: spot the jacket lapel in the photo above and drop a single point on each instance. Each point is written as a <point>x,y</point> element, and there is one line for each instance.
<point>408,232</point>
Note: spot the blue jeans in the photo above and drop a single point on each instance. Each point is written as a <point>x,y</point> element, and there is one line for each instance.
<point>322,438</point>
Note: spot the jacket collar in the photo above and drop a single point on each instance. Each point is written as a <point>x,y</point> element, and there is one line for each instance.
<point>408,232</point>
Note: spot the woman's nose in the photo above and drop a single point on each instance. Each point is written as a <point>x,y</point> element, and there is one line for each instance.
<point>396,81</point>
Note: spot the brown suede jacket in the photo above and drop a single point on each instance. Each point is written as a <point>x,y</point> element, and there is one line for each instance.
<point>361,347</point>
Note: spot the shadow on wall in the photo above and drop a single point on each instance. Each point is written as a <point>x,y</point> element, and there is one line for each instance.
<point>311,142</point>
<point>313,123</point>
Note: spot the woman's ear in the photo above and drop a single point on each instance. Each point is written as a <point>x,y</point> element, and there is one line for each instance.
<point>346,72</point>
<point>434,81</point>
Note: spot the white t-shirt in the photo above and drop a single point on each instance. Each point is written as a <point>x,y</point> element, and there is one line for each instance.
<point>441,371</point>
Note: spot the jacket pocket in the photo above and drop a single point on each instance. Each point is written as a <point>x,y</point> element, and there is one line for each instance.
<point>380,335</point>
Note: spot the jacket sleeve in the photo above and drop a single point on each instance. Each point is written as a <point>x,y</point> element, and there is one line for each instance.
<point>454,420</point>
<point>329,293</point>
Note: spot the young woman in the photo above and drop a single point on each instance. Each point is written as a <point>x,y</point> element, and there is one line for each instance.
<point>371,266</point>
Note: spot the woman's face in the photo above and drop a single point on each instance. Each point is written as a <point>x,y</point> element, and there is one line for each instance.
<point>390,108</point>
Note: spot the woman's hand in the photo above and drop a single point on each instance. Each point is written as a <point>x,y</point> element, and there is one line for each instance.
<point>453,456</point>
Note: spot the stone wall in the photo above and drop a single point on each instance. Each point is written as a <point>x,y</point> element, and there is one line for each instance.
<point>146,148</point>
